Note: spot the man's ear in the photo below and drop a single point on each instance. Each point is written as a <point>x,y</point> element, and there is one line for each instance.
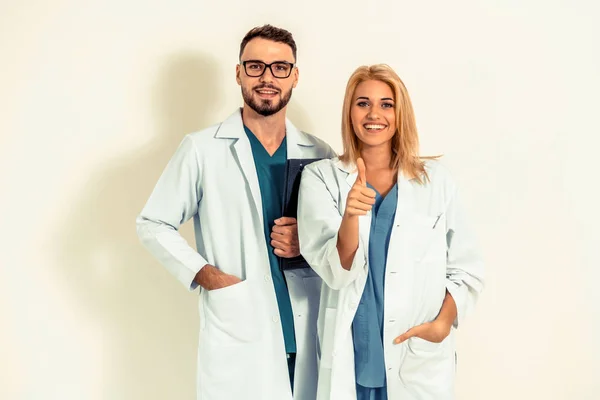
<point>296,75</point>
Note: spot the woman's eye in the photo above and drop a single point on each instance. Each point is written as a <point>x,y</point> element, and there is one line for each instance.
<point>387,105</point>
<point>362,104</point>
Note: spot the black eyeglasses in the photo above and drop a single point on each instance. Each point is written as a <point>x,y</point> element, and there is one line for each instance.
<point>279,69</point>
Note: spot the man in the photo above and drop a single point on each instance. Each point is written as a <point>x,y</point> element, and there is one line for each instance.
<point>257,325</point>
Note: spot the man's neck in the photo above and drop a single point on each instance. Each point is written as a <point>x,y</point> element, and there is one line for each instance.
<point>270,130</point>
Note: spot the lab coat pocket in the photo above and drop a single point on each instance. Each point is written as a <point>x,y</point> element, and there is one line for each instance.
<point>230,314</point>
<point>427,370</point>
<point>428,236</point>
<point>416,344</point>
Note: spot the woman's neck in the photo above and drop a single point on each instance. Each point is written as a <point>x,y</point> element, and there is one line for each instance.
<point>377,158</point>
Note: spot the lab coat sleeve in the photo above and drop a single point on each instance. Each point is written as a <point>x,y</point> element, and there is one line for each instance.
<point>174,201</point>
<point>319,220</point>
<point>464,265</point>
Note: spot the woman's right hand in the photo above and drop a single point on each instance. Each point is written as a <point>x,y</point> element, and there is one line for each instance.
<point>359,202</point>
<point>360,198</point>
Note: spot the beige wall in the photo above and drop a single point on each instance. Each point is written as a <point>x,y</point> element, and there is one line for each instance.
<point>96,95</point>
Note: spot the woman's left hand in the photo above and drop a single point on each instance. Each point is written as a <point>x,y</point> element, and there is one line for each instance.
<point>434,331</point>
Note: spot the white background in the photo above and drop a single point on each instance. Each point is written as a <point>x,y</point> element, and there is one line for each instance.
<point>96,95</point>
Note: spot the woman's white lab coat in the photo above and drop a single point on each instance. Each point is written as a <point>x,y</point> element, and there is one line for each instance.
<point>431,249</point>
<point>212,178</point>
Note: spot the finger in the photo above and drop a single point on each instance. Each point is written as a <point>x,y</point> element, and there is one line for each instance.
<point>282,230</point>
<point>285,221</point>
<point>365,199</point>
<point>353,211</point>
<point>367,191</point>
<point>283,237</point>
<point>359,205</point>
<point>281,253</point>
<point>362,171</point>
<point>280,245</point>
<point>407,335</point>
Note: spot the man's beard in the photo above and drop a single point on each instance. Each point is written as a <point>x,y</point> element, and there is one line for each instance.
<point>266,107</point>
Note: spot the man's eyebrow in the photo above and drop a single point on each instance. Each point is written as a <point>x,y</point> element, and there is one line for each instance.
<point>276,61</point>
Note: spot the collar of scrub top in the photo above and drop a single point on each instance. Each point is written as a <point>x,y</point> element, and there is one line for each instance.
<point>233,128</point>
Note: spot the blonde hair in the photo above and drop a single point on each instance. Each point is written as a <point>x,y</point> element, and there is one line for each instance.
<point>405,143</point>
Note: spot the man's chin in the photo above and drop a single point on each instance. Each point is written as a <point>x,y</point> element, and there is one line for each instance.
<point>266,109</point>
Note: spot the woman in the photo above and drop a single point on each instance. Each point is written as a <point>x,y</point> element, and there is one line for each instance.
<point>384,229</point>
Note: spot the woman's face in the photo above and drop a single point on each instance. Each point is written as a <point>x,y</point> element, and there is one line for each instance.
<point>373,114</point>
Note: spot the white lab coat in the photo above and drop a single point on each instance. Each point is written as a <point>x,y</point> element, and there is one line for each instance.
<point>212,178</point>
<point>431,249</point>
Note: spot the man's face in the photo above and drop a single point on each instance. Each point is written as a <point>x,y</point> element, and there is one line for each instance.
<point>268,93</point>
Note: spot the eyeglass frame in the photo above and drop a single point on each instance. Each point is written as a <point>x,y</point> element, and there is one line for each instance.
<point>292,66</point>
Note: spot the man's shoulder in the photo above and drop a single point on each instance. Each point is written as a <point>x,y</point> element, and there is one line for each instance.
<point>208,140</point>
<point>315,140</point>
<point>206,134</point>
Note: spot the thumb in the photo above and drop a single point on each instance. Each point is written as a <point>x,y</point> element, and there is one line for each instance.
<point>362,171</point>
<point>414,331</point>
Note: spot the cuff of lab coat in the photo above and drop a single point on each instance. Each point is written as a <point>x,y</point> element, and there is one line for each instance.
<point>180,259</point>
<point>187,277</point>
<point>341,276</point>
<point>459,296</point>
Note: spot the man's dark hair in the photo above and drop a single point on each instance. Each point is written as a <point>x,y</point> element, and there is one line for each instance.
<point>269,32</point>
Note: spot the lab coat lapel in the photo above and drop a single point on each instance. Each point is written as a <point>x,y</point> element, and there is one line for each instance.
<point>297,141</point>
<point>233,128</point>
<point>405,205</point>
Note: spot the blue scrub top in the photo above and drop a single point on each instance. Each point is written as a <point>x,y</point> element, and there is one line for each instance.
<point>367,326</point>
<point>271,175</point>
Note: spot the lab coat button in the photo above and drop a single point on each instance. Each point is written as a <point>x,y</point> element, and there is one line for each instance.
<point>267,278</point>
<point>275,319</point>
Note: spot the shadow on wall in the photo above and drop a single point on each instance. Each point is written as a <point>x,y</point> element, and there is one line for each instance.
<point>149,321</point>
<point>297,115</point>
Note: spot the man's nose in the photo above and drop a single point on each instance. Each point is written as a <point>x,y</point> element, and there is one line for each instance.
<point>267,76</point>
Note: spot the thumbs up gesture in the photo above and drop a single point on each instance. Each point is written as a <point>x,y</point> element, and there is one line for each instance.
<point>360,198</point>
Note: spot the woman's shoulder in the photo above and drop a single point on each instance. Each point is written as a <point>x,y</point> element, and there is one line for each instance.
<point>437,173</point>
<point>328,172</point>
